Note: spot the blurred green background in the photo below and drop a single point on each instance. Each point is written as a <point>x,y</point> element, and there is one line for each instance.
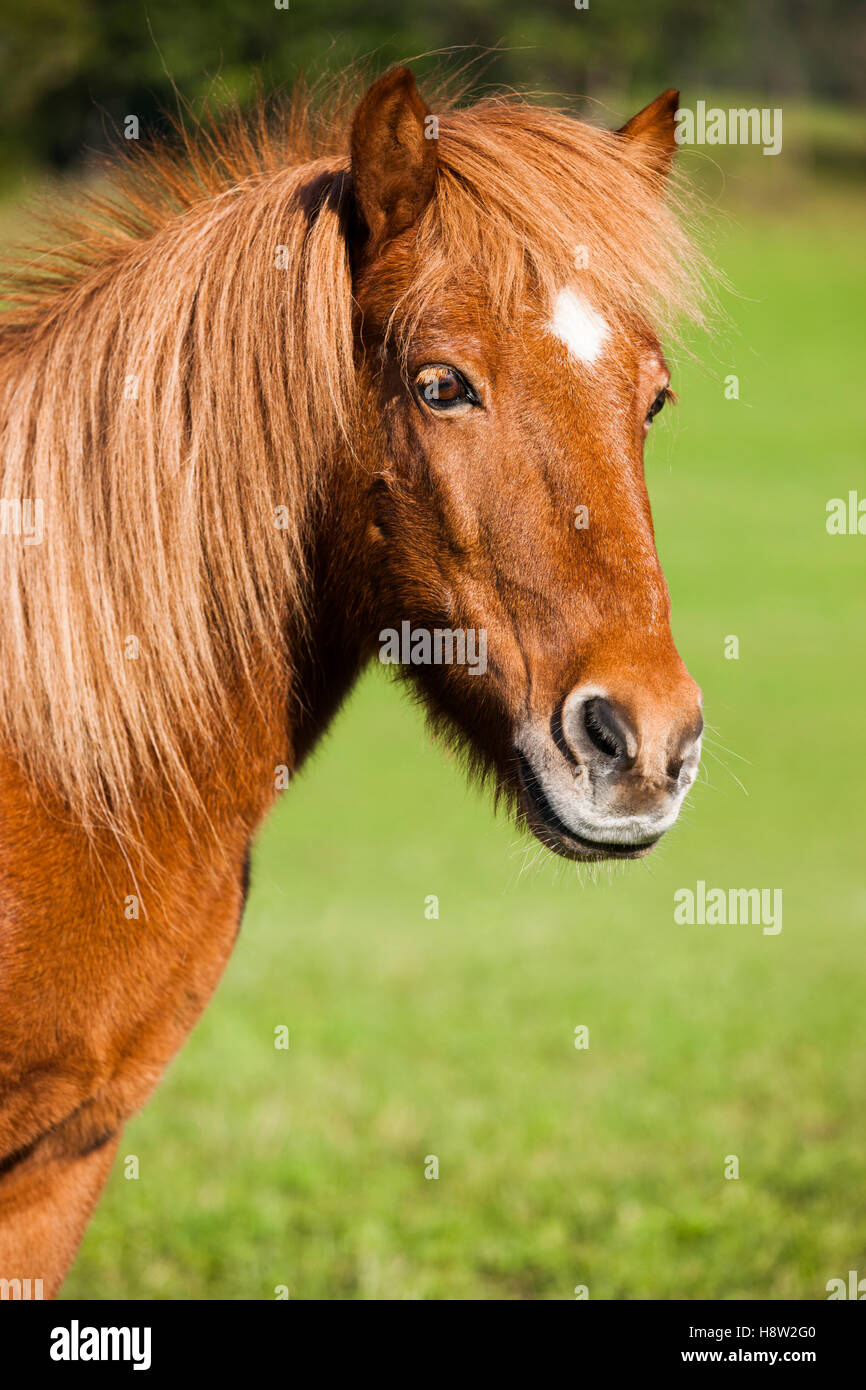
<point>454,1037</point>
<point>71,69</point>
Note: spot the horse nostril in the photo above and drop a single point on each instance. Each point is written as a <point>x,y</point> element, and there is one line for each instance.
<point>604,730</point>
<point>688,748</point>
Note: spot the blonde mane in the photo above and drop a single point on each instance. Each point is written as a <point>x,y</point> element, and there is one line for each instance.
<point>178,364</point>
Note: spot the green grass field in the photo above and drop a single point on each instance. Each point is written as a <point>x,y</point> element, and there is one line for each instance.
<point>454,1037</point>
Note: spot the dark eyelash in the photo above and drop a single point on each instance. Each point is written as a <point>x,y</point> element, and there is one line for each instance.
<point>665,396</point>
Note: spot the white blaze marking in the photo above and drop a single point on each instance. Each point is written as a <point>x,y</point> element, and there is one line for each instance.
<point>576,324</point>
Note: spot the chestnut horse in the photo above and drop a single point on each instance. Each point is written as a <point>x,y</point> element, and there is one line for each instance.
<point>283,387</point>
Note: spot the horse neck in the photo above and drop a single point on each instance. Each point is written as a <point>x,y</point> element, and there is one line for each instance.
<point>331,639</point>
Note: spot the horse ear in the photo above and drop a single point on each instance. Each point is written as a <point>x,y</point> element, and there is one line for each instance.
<point>393,161</point>
<point>651,135</point>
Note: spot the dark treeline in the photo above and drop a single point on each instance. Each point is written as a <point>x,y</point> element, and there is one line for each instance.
<point>70,70</point>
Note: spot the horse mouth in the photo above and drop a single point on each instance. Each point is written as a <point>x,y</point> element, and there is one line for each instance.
<point>552,831</point>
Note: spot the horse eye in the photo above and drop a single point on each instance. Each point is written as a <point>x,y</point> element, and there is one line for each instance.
<point>663,395</point>
<point>443,388</point>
